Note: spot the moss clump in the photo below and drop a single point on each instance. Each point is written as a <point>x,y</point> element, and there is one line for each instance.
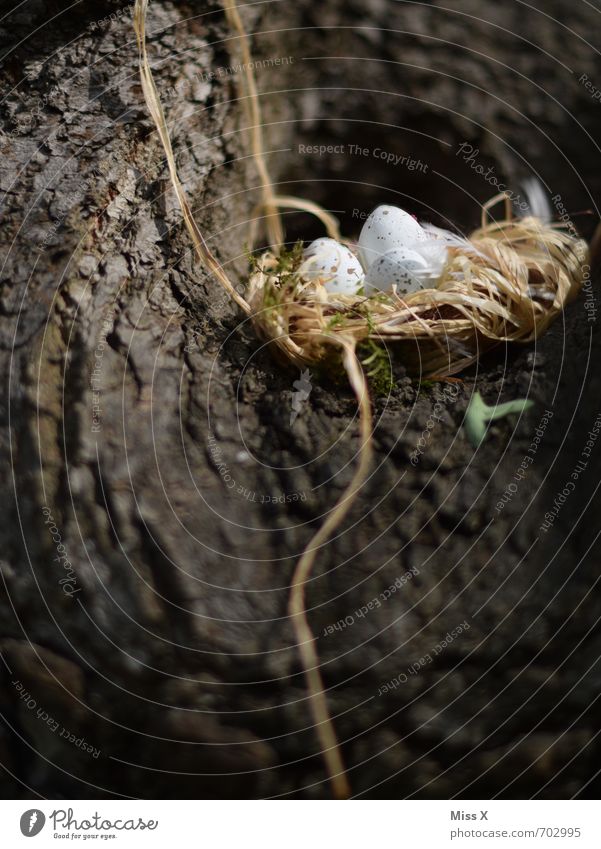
<point>375,359</point>
<point>289,260</point>
<point>337,320</point>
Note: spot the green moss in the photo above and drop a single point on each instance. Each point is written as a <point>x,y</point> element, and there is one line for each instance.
<point>287,262</point>
<point>252,259</point>
<point>289,259</point>
<point>378,368</point>
<point>337,320</point>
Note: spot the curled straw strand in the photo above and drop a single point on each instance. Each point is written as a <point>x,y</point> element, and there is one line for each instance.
<point>297,606</point>
<point>252,108</point>
<point>155,108</point>
<point>270,205</point>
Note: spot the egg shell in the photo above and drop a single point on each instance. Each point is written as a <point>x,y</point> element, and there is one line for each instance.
<point>387,227</point>
<point>400,266</point>
<point>334,265</point>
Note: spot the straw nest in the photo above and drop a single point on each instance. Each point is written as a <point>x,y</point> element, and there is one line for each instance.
<point>507,284</point>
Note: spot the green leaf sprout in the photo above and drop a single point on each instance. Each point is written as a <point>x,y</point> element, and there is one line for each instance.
<point>479,414</point>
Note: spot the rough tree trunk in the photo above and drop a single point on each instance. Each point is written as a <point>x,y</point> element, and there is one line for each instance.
<point>143,601</point>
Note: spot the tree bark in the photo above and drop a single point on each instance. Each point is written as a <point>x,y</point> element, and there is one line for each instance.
<point>156,495</point>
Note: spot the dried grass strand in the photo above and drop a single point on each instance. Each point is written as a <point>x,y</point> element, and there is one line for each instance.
<point>288,202</point>
<point>275,230</point>
<point>155,108</point>
<point>297,608</point>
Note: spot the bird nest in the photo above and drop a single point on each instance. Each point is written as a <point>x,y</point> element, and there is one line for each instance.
<point>506,283</point>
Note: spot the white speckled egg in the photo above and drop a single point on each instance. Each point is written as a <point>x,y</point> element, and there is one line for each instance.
<point>387,227</point>
<point>400,266</point>
<point>334,265</point>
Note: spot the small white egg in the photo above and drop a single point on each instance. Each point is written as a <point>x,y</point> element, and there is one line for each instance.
<point>334,265</point>
<point>387,227</point>
<point>400,266</point>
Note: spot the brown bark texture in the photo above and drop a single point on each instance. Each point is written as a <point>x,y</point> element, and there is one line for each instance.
<point>156,494</point>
